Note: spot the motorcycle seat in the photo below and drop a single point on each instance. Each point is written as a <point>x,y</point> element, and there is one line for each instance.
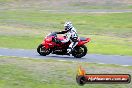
<point>60,38</point>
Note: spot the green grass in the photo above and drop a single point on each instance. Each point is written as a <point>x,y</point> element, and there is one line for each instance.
<point>130,6</point>
<point>20,42</point>
<point>37,73</point>
<point>7,0</point>
<point>109,33</point>
<point>116,23</point>
<point>109,45</point>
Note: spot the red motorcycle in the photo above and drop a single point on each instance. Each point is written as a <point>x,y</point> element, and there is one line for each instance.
<point>51,45</point>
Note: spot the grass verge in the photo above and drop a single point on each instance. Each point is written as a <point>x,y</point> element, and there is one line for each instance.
<point>37,73</point>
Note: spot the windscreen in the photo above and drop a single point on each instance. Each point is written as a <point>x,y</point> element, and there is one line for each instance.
<point>52,34</point>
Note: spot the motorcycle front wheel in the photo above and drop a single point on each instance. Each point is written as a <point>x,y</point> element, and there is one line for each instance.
<point>43,51</point>
<point>79,51</point>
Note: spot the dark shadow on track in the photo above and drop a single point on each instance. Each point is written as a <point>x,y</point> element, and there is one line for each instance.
<point>62,57</point>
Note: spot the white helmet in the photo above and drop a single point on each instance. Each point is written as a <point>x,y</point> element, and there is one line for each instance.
<point>68,25</point>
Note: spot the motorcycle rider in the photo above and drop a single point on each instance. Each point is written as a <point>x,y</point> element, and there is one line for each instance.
<point>71,35</point>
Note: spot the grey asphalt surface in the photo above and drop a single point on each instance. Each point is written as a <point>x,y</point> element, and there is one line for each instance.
<point>94,58</point>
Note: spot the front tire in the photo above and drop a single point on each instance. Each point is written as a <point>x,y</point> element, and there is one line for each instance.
<point>79,51</point>
<point>43,51</point>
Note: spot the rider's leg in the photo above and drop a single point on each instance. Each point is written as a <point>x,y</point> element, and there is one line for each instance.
<point>71,46</point>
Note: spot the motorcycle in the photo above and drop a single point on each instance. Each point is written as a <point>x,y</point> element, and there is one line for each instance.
<point>52,45</point>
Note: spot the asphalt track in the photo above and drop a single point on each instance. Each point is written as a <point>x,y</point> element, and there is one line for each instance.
<point>93,58</point>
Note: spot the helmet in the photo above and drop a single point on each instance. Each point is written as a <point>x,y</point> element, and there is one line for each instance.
<point>68,25</point>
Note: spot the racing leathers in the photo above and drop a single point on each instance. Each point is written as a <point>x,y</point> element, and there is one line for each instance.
<point>71,35</point>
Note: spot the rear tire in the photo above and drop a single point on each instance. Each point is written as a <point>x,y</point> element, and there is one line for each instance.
<point>43,51</point>
<point>79,51</point>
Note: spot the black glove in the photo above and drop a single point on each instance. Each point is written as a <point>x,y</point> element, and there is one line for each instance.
<point>62,32</point>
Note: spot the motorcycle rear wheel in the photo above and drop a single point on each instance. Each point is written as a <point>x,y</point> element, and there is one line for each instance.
<point>79,51</point>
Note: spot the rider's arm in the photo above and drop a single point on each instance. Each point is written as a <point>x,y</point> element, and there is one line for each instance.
<point>62,32</point>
